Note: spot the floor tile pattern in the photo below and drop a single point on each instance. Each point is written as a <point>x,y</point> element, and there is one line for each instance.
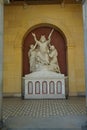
<point>13,107</point>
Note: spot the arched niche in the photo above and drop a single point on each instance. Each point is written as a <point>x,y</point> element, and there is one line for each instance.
<point>58,39</point>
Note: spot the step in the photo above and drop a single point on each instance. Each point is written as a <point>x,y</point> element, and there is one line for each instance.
<point>51,123</point>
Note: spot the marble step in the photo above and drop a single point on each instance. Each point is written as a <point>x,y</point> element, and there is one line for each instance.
<point>51,123</point>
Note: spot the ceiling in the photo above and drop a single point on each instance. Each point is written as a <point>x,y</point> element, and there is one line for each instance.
<point>38,2</point>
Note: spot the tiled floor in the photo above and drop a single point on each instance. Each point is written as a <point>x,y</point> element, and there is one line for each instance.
<point>13,107</point>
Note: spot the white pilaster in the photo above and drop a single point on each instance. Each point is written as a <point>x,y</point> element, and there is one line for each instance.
<point>1,57</point>
<point>85,42</point>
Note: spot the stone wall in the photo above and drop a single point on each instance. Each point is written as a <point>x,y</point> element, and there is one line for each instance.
<point>19,19</point>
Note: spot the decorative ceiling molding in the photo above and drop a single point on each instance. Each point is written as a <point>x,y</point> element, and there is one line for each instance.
<point>38,2</point>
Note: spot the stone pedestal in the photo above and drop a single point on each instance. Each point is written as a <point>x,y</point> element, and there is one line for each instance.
<point>43,85</point>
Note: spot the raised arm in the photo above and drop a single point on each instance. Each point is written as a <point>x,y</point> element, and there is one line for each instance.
<point>37,42</point>
<point>33,34</point>
<point>50,34</point>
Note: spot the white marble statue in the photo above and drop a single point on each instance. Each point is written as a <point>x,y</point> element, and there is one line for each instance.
<point>53,59</point>
<point>32,57</point>
<point>43,55</point>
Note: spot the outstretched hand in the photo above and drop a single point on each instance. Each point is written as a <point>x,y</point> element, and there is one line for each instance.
<point>33,34</point>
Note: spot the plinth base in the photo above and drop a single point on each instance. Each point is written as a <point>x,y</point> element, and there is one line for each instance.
<point>44,85</point>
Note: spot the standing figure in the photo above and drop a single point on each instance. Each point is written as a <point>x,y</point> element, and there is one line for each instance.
<point>32,57</point>
<point>53,59</point>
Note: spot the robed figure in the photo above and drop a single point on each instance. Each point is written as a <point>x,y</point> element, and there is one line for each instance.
<point>42,55</point>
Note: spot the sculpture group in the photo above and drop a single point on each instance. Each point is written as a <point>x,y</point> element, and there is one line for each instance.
<point>42,55</point>
<point>45,80</point>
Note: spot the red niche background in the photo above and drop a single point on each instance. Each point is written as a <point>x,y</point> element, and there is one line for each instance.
<point>57,39</point>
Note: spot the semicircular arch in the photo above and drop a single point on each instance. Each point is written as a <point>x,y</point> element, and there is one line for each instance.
<point>60,27</point>
<point>58,40</point>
